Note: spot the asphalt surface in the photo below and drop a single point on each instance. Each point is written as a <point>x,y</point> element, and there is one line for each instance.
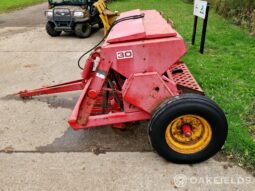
<point>38,150</point>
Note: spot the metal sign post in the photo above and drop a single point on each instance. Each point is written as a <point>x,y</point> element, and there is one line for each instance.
<point>201,9</point>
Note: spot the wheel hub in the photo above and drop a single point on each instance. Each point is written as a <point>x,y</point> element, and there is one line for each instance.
<point>186,129</point>
<point>188,134</point>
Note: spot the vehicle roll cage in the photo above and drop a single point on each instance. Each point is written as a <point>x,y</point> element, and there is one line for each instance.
<point>75,2</point>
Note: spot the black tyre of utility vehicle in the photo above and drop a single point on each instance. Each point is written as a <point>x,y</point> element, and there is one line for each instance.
<point>100,25</point>
<point>188,128</point>
<point>82,30</point>
<point>50,28</point>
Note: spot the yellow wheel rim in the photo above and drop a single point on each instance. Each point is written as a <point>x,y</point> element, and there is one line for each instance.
<point>198,137</point>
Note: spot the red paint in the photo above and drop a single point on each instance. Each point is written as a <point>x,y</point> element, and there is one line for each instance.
<point>186,129</point>
<point>152,94</point>
<point>152,26</point>
<point>92,94</point>
<point>140,57</point>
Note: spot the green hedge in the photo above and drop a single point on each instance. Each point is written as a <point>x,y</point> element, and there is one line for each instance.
<point>241,12</point>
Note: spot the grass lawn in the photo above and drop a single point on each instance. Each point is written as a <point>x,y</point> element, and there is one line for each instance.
<point>7,5</point>
<point>226,71</point>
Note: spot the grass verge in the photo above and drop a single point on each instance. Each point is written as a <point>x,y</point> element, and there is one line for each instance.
<point>226,71</point>
<point>8,5</point>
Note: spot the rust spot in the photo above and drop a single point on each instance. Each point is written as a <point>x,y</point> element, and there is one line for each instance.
<point>8,149</point>
<point>29,65</point>
<point>157,89</point>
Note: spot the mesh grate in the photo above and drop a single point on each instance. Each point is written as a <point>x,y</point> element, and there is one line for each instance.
<point>182,76</point>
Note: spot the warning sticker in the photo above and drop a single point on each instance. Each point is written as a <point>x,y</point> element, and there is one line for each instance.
<point>101,74</point>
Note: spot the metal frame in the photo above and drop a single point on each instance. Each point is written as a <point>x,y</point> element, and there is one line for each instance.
<point>57,20</point>
<point>120,89</point>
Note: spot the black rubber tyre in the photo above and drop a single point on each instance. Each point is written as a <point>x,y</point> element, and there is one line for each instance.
<point>187,104</point>
<point>100,25</point>
<point>83,30</point>
<point>50,29</point>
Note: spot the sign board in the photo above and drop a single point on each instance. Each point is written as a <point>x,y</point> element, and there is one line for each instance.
<point>200,8</point>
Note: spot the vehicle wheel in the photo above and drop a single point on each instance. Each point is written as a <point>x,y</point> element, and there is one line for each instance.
<point>100,25</point>
<point>188,128</point>
<point>83,30</point>
<point>50,28</point>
